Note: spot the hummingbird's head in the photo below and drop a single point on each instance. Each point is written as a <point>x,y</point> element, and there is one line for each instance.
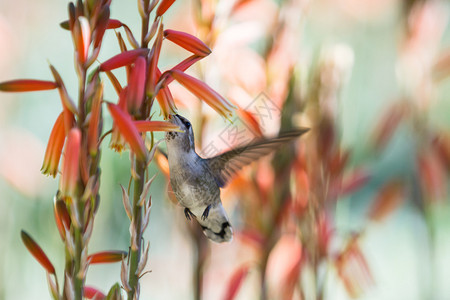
<point>180,140</point>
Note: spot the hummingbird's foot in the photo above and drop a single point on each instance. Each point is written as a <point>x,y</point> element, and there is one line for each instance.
<point>206,212</point>
<point>188,213</point>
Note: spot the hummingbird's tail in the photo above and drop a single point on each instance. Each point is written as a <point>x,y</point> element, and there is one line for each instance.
<point>216,225</point>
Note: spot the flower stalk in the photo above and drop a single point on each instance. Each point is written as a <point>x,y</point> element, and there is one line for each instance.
<point>136,233</point>
<point>77,136</point>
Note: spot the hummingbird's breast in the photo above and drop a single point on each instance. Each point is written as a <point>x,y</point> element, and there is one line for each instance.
<point>192,183</point>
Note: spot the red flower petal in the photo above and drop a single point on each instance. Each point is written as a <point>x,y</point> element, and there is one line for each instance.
<point>82,38</point>
<point>162,163</point>
<point>70,168</point>
<point>204,92</point>
<point>183,66</point>
<point>27,85</point>
<point>37,252</point>
<point>123,59</point>
<point>114,24</point>
<point>93,293</point>
<point>164,6</point>
<point>187,41</point>
<point>144,126</point>
<point>128,131</point>
<point>250,120</point>
<point>252,237</point>
<point>235,282</point>
<point>117,141</point>
<point>136,86</point>
<point>106,257</point>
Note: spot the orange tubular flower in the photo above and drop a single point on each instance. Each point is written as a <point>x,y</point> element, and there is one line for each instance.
<point>250,120</point>
<point>93,130</point>
<point>106,257</point>
<point>144,126</point>
<point>183,66</point>
<point>128,130</point>
<point>204,92</point>
<point>54,147</point>
<point>117,141</point>
<point>188,42</point>
<point>123,59</point>
<point>70,168</point>
<point>136,86</point>
<point>27,85</point>
<point>153,74</point>
<point>164,6</point>
<point>82,38</point>
<point>162,163</point>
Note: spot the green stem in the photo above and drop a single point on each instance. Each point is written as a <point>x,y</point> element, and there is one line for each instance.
<point>263,279</point>
<point>78,277</point>
<point>200,256</point>
<point>76,272</point>
<point>67,269</point>
<point>198,275</point>
<point>135,254</point>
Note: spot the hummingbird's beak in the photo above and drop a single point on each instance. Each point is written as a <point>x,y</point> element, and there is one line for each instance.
<point>173,119</point>
<point>172,116</point>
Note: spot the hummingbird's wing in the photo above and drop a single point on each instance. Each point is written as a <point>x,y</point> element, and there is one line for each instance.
<point>225,165</point>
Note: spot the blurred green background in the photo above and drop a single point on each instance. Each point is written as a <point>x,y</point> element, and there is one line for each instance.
<point>396,249</point>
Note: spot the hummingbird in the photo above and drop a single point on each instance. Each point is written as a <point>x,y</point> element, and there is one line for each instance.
<point>196,181</point>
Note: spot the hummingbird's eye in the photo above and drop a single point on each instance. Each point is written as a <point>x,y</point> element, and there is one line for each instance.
<point>188,124</point>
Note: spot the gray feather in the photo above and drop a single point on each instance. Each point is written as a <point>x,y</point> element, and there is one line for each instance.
<point>225,165</point>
